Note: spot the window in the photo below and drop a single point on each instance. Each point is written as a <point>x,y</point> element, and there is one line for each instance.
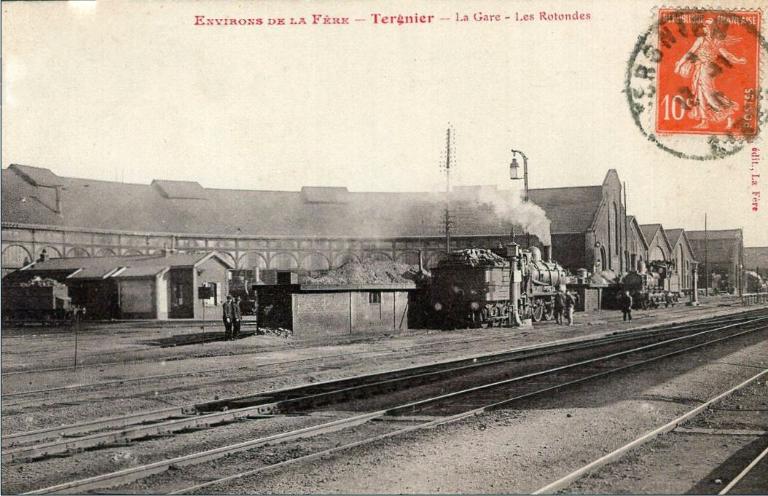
<point>374,297</point>
<point>178,294</point>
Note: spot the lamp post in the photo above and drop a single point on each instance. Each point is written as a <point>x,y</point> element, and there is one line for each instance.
<point>514,171</point>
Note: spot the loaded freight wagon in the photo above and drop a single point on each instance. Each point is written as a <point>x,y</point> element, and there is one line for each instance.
<point>40,300</point>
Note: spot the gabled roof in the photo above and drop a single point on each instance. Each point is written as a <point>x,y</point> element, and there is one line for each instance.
<point>632,220</point>
<point>164,207</point>
<point>674,236</point>
<point>104,267</point>
<point>571,209</point>
<point>649,231</point>
<point>679,236</point>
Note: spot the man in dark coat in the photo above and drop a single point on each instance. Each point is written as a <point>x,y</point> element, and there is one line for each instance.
<point>237,318</point>
<point>228,315</point>
<point>626,306</point>
<point>559,306</point>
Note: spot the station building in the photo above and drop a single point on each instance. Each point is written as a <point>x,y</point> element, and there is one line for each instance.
<point>683,256</point>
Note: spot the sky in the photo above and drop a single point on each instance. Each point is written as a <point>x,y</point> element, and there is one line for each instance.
<point>136,91</point>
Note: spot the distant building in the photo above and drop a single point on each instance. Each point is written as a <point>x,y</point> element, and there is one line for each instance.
<point>756,259</point>
<point>659,246</point>
<point>682,254</point>
<point>636,244</point>
<point>722,254</point>
<point>138,287</point>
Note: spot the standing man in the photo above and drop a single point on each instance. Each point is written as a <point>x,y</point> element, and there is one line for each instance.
<point>237,317</point>
<point>570,303</point>
<point>559,306</point>
<point>228,314</point>
<point>626,306</point>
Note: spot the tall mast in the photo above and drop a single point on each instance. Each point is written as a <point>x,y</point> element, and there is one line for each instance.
<point>447,166</point>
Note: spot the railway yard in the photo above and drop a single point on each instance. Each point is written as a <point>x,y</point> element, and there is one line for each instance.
<point>600,407</point>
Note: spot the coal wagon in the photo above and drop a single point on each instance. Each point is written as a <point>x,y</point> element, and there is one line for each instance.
<point>43,301</point>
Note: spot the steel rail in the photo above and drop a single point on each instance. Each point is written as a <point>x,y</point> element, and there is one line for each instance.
<point>456,417</point>
<point>744,472</point>
<point>359,384</point>
<point>136,473</point>
<point>741,312</point>
<point>648,436</point>
<point>343,388</point>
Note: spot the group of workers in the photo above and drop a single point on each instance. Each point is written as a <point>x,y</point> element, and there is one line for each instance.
<point>565,303</point>
<point>232,316</point>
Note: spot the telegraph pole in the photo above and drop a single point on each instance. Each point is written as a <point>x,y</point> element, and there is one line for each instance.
<point>447,166</point>
<point>706,257</point>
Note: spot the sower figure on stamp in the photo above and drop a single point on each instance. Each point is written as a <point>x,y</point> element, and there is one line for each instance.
<point>559,306</point>
<point>625,303</point>
<point>702,63</point>
<point>228,315</point>
<point>237,317</point>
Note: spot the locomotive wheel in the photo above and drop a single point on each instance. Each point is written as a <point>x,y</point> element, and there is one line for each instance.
<point>549,310</point>
<point>538,312</point>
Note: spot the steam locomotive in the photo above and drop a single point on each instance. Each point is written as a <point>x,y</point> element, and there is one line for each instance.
<point>476,287</point>
<point>657,285</point>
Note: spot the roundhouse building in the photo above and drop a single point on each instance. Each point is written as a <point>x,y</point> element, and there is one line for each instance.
<point>315,228</point>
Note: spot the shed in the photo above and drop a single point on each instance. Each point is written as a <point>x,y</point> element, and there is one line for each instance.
<point>355,298</point>
<point>145,287</point>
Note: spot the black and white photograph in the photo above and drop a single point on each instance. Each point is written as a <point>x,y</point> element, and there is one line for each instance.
<point>384,247</point>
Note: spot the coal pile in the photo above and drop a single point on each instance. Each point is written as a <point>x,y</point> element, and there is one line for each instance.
<point>474,257</point>
<point>364,273</point>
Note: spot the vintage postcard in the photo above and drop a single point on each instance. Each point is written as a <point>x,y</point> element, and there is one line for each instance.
<point>384,247</point>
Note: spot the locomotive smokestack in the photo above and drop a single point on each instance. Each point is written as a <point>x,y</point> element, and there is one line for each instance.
<point>548,253</point>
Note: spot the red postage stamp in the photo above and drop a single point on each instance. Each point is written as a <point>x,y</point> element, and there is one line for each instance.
<point>708,72</point>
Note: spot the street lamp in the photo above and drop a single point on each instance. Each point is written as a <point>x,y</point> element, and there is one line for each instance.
<point>514,171</point>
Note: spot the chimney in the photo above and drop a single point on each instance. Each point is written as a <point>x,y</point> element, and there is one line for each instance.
<point>548,253</point>
<point>421,262</point>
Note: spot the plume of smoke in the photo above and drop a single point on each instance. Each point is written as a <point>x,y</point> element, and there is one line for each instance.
<point>508,206</point>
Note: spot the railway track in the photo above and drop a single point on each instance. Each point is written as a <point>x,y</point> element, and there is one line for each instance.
<point>310,395</point>
<point>43,396</point>
<point>475,385</point>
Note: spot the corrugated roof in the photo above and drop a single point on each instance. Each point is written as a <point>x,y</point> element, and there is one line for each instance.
<point>570,209</point>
